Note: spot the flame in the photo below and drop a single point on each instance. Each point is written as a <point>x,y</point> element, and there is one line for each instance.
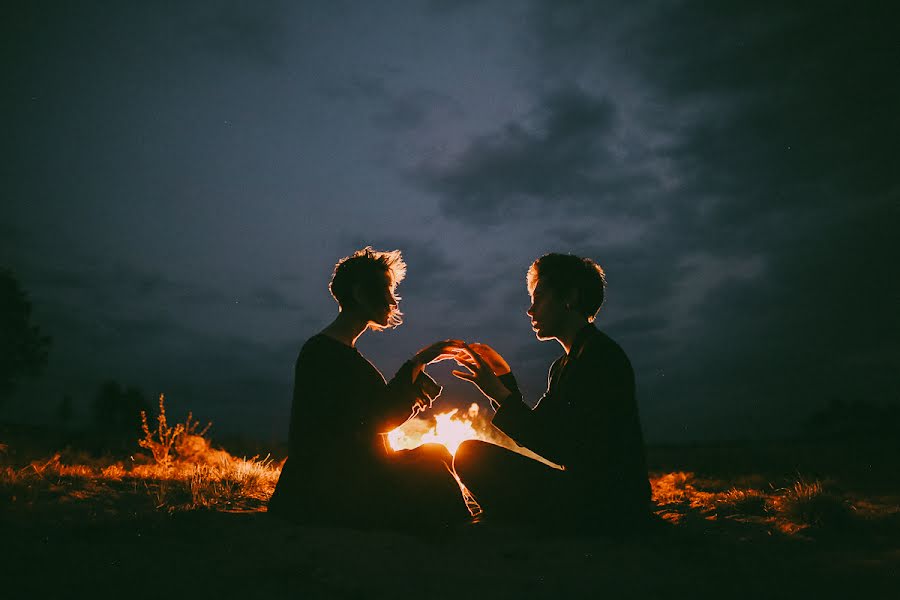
<point>449,430</point>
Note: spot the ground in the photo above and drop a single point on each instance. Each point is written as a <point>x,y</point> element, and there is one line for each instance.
<point>741,521</point>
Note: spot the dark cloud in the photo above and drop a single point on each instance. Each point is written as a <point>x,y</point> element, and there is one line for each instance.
<point>557,157</point>
<point>393,107</point>
<point>109,285</point>
<point>732,167</point>
<point>411,110</point>
<point>241,30</point>
<point>776,187</point>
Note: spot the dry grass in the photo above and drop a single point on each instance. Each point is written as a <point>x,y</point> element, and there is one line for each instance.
<point>810,504</point>
<point>164,439</point>
<point>183,471</point>
<point>221,482</point>
<point>790,509</point>
<point>229,483</point>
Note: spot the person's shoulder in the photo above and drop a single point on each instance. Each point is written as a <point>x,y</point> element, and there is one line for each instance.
<point>319,339</point>
<point>315,346</point>
<point>601,345</point>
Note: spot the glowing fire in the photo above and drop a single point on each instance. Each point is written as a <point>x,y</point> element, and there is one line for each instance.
<point>449,430</point>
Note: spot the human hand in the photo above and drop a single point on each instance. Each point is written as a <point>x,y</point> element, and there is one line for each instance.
<point>497,363</point>
<point>438,351</point>
<point>481,373</point>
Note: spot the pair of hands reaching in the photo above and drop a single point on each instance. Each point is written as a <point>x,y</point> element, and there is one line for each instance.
<point>483,365</point>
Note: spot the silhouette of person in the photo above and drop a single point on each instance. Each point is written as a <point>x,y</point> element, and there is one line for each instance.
<point>338,469</point>
<point>587,420</point>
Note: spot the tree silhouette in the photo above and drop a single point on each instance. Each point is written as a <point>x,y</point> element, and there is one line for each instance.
<point>65,410</point>
<point>117,409</point>
<point>23,348</point>
<point>117,416</point>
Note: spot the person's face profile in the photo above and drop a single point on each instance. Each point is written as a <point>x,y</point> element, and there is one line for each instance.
<point>379,303</point>
<point>546,311</point>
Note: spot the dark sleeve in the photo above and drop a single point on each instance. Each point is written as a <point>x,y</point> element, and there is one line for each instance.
<point>509,382</point>
<point>517,420</point>
<point>401,394</point>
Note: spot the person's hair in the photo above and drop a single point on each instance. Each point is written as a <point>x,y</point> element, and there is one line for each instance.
<point>367,268</point>
<point>563,273</point>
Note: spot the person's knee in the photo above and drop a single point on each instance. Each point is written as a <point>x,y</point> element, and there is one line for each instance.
<point>426,454</point>
<point>472,455</point>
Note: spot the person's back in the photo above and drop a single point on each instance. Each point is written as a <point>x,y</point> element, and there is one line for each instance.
<point>608,464</point>
<point>588,422</point>
<point>335,405</point>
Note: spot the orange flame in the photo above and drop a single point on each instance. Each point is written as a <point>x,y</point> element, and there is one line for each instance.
<point>451,429</point>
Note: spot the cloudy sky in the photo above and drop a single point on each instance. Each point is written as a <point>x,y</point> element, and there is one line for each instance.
<point>179,179</point>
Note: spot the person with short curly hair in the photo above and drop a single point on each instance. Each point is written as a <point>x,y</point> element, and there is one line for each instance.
<point>587,420</point>
<point>338,469</point>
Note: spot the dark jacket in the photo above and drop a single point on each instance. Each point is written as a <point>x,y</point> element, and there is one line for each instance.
<point>587,421</point>
<point>340,407</point>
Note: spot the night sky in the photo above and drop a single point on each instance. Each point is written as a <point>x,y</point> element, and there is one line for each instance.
<point>179,179</point>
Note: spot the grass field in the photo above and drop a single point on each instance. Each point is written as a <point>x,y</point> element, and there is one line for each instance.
<point>778,520</point>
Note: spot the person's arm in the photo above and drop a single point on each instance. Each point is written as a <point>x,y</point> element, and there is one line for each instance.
<point>509,382</point>
<point>402,394</point>
<point>523,424</point>
<point>412,389</point>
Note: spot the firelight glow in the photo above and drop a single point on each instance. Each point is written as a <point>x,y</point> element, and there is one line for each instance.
<point>449,430</point>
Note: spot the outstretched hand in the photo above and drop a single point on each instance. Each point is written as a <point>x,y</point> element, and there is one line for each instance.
<point>436,352</point>
<point>497,363</point>
<point>482,371</point>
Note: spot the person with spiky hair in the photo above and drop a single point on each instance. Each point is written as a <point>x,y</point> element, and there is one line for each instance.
<point>587,420</point>
<point>338,470</point>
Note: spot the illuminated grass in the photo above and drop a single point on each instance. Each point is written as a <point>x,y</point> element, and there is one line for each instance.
<point>228,484</point>
<point>181,471</point>
<point>789,509</point>
<point>805,504</point>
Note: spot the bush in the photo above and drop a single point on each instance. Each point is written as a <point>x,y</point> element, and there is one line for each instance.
<point>161,441</point>
<point>808,504</point>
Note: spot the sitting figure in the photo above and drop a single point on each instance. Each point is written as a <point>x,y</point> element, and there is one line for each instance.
<point>339,471</point>
<point>586,421</point>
